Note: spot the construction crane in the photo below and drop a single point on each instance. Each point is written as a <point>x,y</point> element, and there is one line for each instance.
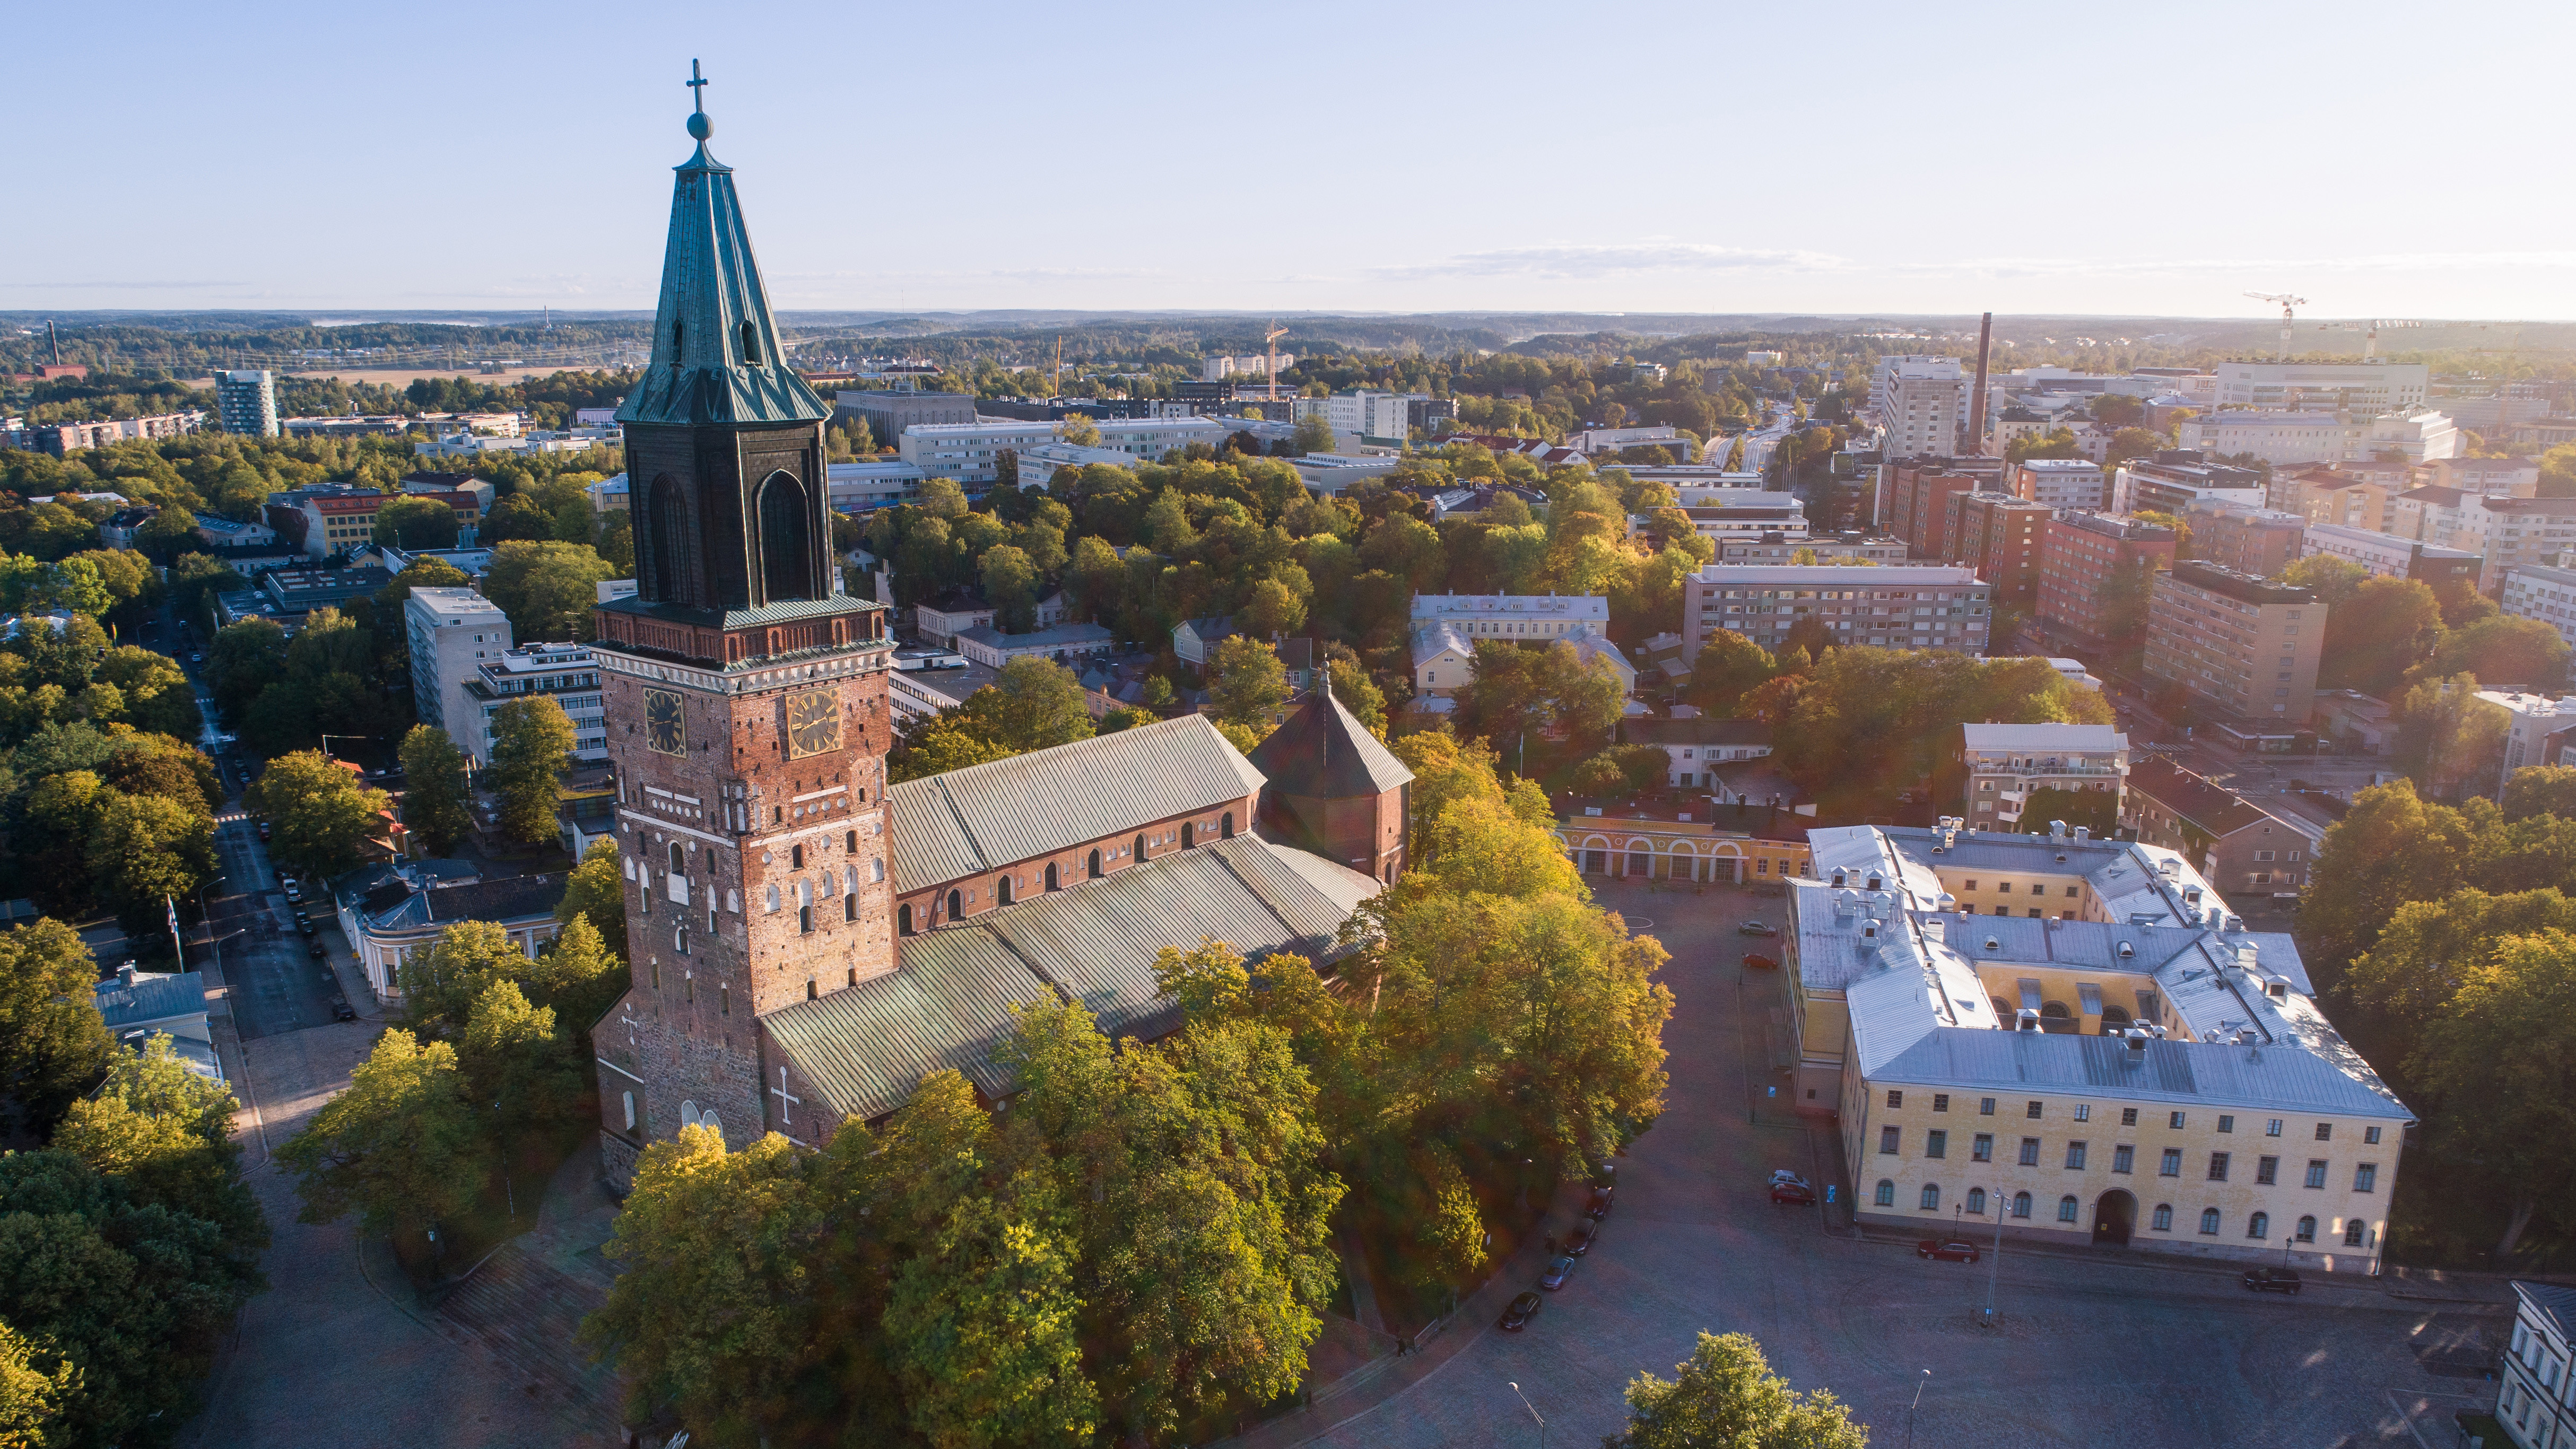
<point>2287,302</point>
<point>1270,339</point>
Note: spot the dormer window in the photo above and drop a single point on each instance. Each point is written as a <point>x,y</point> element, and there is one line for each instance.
<point>751,344</point>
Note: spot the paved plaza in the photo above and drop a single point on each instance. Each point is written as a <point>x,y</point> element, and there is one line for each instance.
<point>2114,1348</point>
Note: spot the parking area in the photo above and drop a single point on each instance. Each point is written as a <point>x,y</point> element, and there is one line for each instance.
<point>2117,1348</point>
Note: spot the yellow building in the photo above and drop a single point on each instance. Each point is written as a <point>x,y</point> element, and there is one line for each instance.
<point>1695,842</point>
<point>2109,1056</point>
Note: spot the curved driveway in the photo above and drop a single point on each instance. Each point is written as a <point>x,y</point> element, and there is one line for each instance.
<point>2113,1349</point>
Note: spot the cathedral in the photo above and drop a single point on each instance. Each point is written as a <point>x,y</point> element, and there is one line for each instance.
<point>808,941</point>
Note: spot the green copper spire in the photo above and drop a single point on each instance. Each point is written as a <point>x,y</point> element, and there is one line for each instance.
<point>716,357</point>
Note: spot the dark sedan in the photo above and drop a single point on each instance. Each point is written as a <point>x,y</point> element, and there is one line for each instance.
<point>341,1010</point>
<point>1580,1238</point>
<point>2273,1280</point>
<point>1557,1272</point>
<point>1760,962</point>
<point>1517,1317</point>
<point>319,951</point>
<point>1599,1207</point>
<point>1955,1250</point>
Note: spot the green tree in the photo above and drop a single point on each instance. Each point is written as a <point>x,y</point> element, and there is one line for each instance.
<point>148,850</point>
<point>1726,1394</point>
<point>1011,585</point>
<point>1729,667</point>
<point>593,891</point>
<point>164,1130</point>
<point>2391,847</point>
<point>1314,434</point>
<point>2504,652</point>
<point>712,1313</point>
<point>548,589</point>
<point>2408,976</point>
<point>1355,689</point>
<point>1081,431</point>
<point>1272,610</point>
<point>514,1058</point>
<point>2383,626</point>
<point>2500,1061</point>
<point>35,1384</point>
<point>400,1147</point>
<point>1247,683</point>
<point>318,815</point>
<point>53,1043</point>
<point>411,524</point>
<point>441,985</point>
<point>2448,738</point>
<point>247,657</point>
<point>532,743</point>
<point>2540,790</point>
<point>435,806</point>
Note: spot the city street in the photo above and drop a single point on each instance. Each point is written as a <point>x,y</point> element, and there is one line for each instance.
<point>2117,1347</point>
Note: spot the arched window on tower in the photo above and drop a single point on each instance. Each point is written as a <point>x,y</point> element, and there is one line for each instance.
<point>750,344</point>
<point>1002,890</point>
<point>1140,848</point>
<point>849,893</point>
<point>1189,835</point>
<point>804,906</point>
<point>784,530</point>
<point>669,521</point>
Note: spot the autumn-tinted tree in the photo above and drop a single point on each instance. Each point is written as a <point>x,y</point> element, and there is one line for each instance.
<point>318,815</point>
<point>593,891</point>
<point>434,803</point>
<point>164,1130</point>
<point>53,1043</point>
<point>2504,652</point>
<point>400,1147</point>
<point>517,1060</point>
<point>1246,682</point>
<point>1726,1394</point>
<point>2500,1061</point>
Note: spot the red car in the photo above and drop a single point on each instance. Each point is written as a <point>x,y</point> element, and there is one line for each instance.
<point>1955,1250</point>
<point>1761,963</point>
<point>1792,1192</point>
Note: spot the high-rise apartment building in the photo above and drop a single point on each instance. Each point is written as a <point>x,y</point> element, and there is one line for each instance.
<point>1998,536</point>
<point>2544,592</point>
<point>2360,387</point>
<point>247,402</point>
<point>1922,402</point>
<point>2245,645</point>
<point>453,633</point>
<point>2083,556</point>
<point>1918,490</point>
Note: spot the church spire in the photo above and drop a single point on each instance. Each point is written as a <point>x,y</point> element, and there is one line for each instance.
<point>716,353</point>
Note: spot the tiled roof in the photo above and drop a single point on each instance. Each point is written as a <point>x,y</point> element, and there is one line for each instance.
<point>517,898</point>
<point>2555,1305</point>
<point>950,1003</point>
<point>2212,809</point>
<point>985,817</point>
<point>152,997</point>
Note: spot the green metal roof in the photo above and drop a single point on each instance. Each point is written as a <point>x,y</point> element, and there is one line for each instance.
<point>949,1004</point>
<point>716,353</point>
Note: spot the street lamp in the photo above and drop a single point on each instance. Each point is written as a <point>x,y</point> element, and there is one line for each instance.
<point>1996,1268</point>
<point>1909,1408</point>
<point>1533,1413</point>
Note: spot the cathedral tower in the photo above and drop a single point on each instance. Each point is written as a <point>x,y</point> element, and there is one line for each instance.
<point>746,701</point>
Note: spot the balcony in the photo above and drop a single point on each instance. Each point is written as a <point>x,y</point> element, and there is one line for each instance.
<point>2069,767</point>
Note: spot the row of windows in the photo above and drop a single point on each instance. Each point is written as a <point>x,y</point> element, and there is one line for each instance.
<point>2258,1226</point>
<point>1093,869</point>
<point>1981,1148</point>
<point>2034,1109</point>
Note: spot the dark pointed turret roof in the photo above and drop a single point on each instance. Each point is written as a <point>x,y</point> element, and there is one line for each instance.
<point>716,357</point>
<point>1323,752</point>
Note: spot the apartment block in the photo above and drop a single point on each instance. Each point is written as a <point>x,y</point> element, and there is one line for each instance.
<point>2062,482</point>
<point>2497,477</point>
<point>1999,536</point>
<point>2080,553</point>
<point>2539,730</point>
<point>1922,402</point>
<point>1780,547</point>
<point>2390,556</point>
<point>2544,592</point>
<point>2355,495</point>
<point>1999,765</point>
<point>566,673</point>
<point>969,453</point>
<point>247,403</point>
<point>2176,478</point>
<point>2257,541</point>
<point>2244,645</point>
<point>2361,387</point>
<point>2512,533</point>
<point>1915,493</point>
<point>452,634</point>
<point>2537,1402</point>
<point>1895,606</point>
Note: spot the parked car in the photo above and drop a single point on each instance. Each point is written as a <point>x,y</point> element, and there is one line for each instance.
<point>1792,1191</point>
<point>1517,1316</point>
<point>1599,1206</point>
<point>319,952</point>
<point>1760,962</point>
<point>1580,1238</point>
<point>263,830</point>
<point>1557,1272</point>
<point>294,892</point>
<point>1956,1250</point>
<point>1755,928</point>
<point>2273,1280</point>
<point>195,657</point>
<point>1781,1174</point>
<point>304,925</point>
<point>341,1010</point>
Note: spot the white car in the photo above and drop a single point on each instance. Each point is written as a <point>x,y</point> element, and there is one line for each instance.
<point>294,892</point>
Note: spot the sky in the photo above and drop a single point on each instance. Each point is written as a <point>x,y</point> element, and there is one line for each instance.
<point>2380,161</point>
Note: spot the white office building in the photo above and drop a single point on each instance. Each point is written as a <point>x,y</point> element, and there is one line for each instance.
<point>2419,435</point>
<point>1922,403</point>
<point>2545,593</point>
<point>452,634</point>
<point>1897,606</point>
<point>2537,1403</point>
<point>1515,616</point>
<point>566,673</point>
<point>2367,388</point>
<point>970,453</point>
<point>2062,483</point>
<point>871,484</point>
<point>1606,442</point>
<point>1376,417</point>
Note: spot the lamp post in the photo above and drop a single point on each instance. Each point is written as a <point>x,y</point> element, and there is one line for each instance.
<point>1909,1408</point>
<point>1996,1268</point>
<point>1533,1413</point>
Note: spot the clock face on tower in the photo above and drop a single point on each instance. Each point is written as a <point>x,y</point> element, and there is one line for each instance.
<point>666,726</point>
<point>813,723</point>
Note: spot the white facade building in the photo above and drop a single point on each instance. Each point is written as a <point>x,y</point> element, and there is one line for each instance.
<point>2360,387</point>
<point>1515,616</point>
<point>970,453</point>
<point>452,634</point>
<point>2544,593</point>
<point>1611,440</point>
<point>1922,402</point>
<point>567,673</point>
<point>865,487</point>
<point>2420,435</point>
<point>2384,554</point>
<point>2063,483</point>
<point>2537,1404</point>
<point>1377,416</point>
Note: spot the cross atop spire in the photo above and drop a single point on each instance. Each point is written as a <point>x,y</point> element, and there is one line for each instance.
<point>699,126</point>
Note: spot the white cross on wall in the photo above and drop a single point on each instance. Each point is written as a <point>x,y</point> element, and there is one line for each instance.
<point>785,1098</point>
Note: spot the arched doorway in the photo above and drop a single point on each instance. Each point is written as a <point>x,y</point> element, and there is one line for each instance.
<point>783,530</point>
<point>956,906</point>
<point>1139,850</point>
<point>2115,1213</point>
<point>1226,826</point>
<point>1052,883</point>
<point>1094,865</point>
<point>1189,835</point>
<point>1002,891</point>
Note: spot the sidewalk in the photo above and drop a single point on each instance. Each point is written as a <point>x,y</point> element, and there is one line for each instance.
<point>1329,1406</point>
